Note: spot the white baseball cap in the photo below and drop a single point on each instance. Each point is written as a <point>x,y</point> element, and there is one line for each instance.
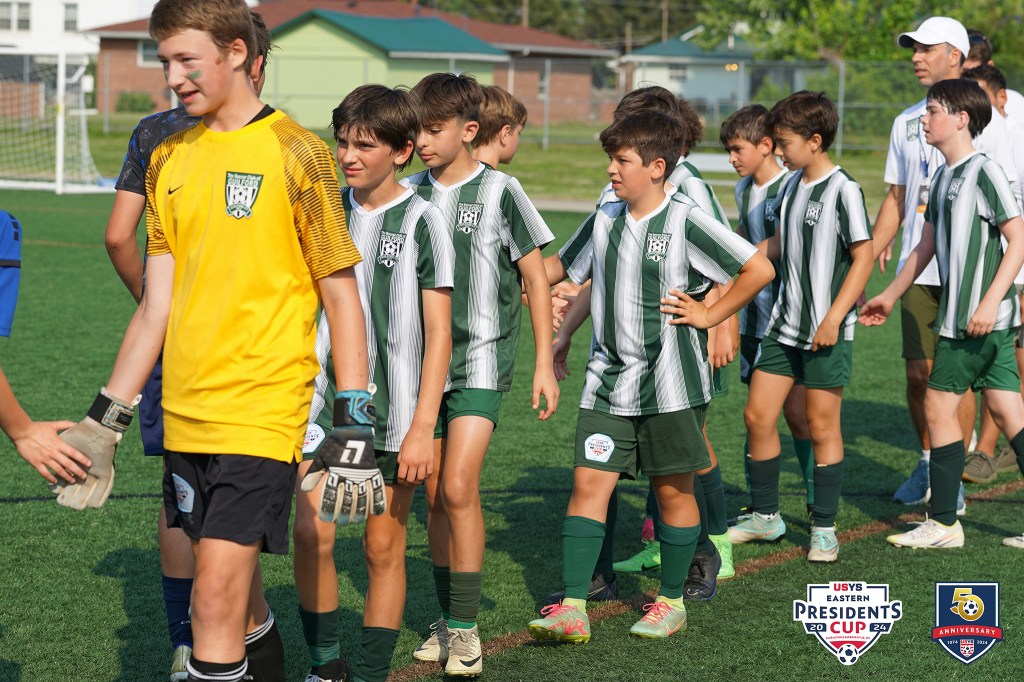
<point>937,30</point>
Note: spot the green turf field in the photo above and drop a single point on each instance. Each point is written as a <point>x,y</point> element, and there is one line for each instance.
<point>80,592</point>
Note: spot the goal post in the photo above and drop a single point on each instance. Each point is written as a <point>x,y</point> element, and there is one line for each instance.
<point>45,141</point>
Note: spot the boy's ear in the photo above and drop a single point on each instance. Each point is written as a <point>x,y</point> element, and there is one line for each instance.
<point>505,134</point>
<point>766,146</point>
<point>469,131</point>
<point>657,169</point>
<point>402,155</point>
<point>815,141</point>
<point>237,52</point>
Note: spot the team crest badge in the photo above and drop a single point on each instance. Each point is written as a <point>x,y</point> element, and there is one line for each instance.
<point>847,617</point>
<point>967,619</point>
<point>390,248</point>
<point>657,246</point>
<point>240,192</point>
<point>813,213</point>
<point>469,217</point>
<point>913,129</point>
<point>769,212</point>
<point>954,188</point>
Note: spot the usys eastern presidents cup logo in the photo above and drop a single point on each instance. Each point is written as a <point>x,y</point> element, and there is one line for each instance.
<point>967,619</point>
<point>847,617</point>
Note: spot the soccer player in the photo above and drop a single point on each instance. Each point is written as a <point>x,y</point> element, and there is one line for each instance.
<point>748,141</point>
<point>938,46</point>
<point>245,227</point>
<point>176,561</point>
<point>970,206</point>
<point>498,235</point>
<point>36,442</point>
<point>502,119</point>
<point>823,244</point>
<point>980,54</point>
<point>405,282</point>
<point>648,378</point>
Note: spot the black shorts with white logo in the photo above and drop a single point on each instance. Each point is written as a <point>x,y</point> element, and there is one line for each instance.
<point>240,498</point>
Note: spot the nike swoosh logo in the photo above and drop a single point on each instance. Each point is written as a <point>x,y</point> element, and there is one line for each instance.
<point>171,191</point>
<point>470,663</point>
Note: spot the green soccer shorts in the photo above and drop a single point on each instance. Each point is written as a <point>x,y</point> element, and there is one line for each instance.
<point>824,368</point>
<point>976,362</point>
<point>463,402</point>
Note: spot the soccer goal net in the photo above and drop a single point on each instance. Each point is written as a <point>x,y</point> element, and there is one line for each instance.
<point>43,138</point>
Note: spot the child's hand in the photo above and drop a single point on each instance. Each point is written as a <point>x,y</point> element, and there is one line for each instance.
<point>983,319</point>
<point>686,310</point>
<point>545,384</point>
<point>560,353</point>
<point>826,335</point>
<point>876,311</point>
<point>724,350</point>
<point>416,456</point>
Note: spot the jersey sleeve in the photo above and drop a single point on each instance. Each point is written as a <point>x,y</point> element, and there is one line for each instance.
<point>156,238</point>
<point>895,166</point>
<point>321,408</point>
<point>316,202</point>
<point>435,260</point>
<point>701,193</point>
<point>741,192</point>
<point>522,227</point>
<point>996,202</point>
<point>133,168</point>
<point>713,249</point>
<point>853,215</point>
<point>577,254</point>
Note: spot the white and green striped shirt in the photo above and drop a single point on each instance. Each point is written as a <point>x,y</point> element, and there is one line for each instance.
<point>640,364</point>
<point>758,207</point>
<point>405,248</point>
<point>819,221</point>
<point>493,225</point>
<point>967,204</point>
<point>687,180</point>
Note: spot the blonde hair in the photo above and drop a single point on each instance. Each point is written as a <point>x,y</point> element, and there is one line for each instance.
<point>498,109</point>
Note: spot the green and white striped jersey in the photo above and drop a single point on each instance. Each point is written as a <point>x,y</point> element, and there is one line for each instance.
<point>686,180</point>
<point>758,215</point>
<point>640,364</point>
<point>967,204</point>
<point>819,221</point>
<point>405,248</point>
<point>493,224</point>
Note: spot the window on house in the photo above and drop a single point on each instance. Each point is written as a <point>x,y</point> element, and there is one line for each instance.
<point>678,72</point>
<point>24,16</point>
<point>71,17</point>
<point>6,16</point>
<point>147,53</point>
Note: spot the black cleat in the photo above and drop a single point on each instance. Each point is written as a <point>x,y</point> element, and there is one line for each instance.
<point>600,590</point>
<point>702,578</point>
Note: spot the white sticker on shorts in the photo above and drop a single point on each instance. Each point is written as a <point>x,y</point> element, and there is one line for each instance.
<point>314,435</point>
<point>599,447</point>
<point>185,494</point>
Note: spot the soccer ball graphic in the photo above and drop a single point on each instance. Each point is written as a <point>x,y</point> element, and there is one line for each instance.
<point>847,654</point>
<point>970,608</point>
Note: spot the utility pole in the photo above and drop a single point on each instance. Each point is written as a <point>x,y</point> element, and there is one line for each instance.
<point>664,20</point>
<point>629,37</point>
<point>526,14</point>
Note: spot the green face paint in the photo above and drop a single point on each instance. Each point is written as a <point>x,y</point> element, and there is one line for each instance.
<point>195,75</point>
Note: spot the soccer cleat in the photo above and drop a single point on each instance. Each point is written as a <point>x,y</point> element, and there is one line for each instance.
<point>759,527</point>
<point>1017,542</point>
<point>600,590</point>
<point>824,546</point>
<point>724,546</point>
<point>961,503</point>
<point>916,489</point>
<point>562,623</point>
<point>1006,460</point>
<point>435,647</point>
<point>647,558</point>
<point>464,656</point>
<point>930,535</point>
<point>334,671</point>
<point>647,530</point>
<point>979,468</point>
<point>702,578</point>
<point>662,620</point>
<point>179,663</point>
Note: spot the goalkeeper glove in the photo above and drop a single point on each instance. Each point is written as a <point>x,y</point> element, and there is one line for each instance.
<point>96,437</point>
<point>354,486</point>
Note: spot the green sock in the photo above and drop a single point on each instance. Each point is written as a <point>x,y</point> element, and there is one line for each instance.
<point>1017,443</point>
<point>828,481</point>
<point>321,633</point>
<point>945,467</point>
<point>443,587</point>
<point>677,548</point>
<point>714,499</point>
<point>764,485</point>
<point>375,651</point>
<point>805,456</point>
<point>606,558</point>
<point>704,543</point>
<point>465,599</point>
<point>746,462</point>
<point>581,544</point>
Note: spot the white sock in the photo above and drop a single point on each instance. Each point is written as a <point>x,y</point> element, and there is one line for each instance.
<point>926,455</point>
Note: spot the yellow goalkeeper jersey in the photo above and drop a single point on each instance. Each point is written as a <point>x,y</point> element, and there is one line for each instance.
<point>253,217</point>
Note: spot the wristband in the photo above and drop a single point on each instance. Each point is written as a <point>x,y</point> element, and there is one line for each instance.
<point>111,413</point>
<point>354,408</point>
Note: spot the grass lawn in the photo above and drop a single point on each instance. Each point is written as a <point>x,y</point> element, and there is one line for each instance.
<point>80,595</point>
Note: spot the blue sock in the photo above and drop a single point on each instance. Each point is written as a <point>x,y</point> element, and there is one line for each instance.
<point>177,598</point>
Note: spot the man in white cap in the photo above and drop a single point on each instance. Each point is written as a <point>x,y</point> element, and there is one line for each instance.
<point>940,46</point>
